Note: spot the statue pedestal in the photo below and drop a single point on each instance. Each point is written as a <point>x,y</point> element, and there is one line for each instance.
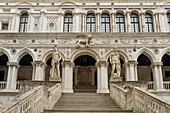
<point>55,78</point>
<point>115,79</point>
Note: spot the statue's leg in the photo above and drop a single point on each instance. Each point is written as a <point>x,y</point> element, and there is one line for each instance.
<point>58,70</point>
<point>113,69</point>
<point>118,70</point>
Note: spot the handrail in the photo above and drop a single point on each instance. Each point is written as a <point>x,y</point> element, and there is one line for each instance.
<point>138,100</point>
<point>35,100</point>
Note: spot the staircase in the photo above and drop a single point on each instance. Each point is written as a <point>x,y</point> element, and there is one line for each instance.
<point>87,103</point>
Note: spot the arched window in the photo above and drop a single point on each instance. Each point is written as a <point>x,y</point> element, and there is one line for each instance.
<point>148,23</point>
<point>134,23</point>
<point>168,20</point>
<point>120,23</point>
<point>91,23</point>
<point>68,22</point>
<point>105,23</point>
<point>23,23</point>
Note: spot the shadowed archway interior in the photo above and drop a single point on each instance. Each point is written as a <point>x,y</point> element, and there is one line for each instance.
<point>25,70</point>
<point>166,67</point>
<point>85,74</point>
<point>144,69</point>
<point>3,67</point>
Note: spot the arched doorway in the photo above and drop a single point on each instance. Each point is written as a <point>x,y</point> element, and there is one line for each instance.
<point>47,72</point>
<point>26,68</point>
<point>85,74</point>
<point>166,67</point>
<point>144,69</point>
<point>3,67</point>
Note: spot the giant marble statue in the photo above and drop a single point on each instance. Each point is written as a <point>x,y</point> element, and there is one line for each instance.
<point>55,63</point>
<point>115,62</point>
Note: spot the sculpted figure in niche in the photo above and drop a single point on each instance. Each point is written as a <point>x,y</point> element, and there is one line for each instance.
<point>55,63</point>
<point>86,40</point>
<point>115,62</point>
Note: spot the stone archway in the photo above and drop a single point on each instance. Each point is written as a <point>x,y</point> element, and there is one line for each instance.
<point>85,74</point>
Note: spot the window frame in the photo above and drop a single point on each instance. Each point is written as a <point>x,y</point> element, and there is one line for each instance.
<point>119,23</point>
<point>104,17</point>
<point>91,23</point>
<point>147,23</point>
<point>69,24</point>
<point>134,17</point>
<point>23,24</point>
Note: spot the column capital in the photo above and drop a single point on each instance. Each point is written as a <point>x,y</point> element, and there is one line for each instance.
<point>131,62</point>
<point>103,64</point>
<point>13,64</point>
<point>68,63</point>
<point>38,63</point>
<point>157,64</point>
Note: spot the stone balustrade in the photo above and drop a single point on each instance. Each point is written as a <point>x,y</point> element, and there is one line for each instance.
<point>2,85</point>
<point>167,85</point>
<point>150,86</point>
<point>35,100</point>
<point>138,100</point>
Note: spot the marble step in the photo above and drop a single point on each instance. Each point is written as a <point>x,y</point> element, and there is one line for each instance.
<point>112,111</point>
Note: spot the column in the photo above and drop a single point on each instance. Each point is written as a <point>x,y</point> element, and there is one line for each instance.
<point>75,75</point>
<point>61,20</point>
<point>30,23</point>
<point>93,69</point>
<point>157,75</point>
<point>98,22</point>
<point>103,78</point>
<point>39,74</point>
<point>83,23</point>
<point>142,22</point>
<point>128,21</point>
<point>98,76</point>
<point>0,25</point>
<point>154,22</point>
<point>132,71</point>
<point>113,21</point>
<point>157,22</point>
<point>12,75</point>
<point>127,73</point>
<point>16,22</point>
<point>42,21</point>
<point>67,80</point>
<point>163,22</point>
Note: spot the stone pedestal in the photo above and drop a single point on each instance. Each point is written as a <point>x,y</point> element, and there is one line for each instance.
<point>115,79</point>
<point>55,78</point>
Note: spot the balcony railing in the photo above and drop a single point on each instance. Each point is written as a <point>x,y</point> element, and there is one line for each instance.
<point>3,85</point>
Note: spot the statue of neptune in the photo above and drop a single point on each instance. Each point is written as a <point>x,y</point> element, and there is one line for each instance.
<point>115,62</point>
<point>55,63</point>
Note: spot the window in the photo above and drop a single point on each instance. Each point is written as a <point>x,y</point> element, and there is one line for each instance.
<point>168,20</point>
<point>23,23</point>
<point>4,26</point>
<point>134,23</point>
<point>105,23</point>
<point>68,22</point>
<point>120,23</point>
<point>148,23</point>
<point>91,23</point>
